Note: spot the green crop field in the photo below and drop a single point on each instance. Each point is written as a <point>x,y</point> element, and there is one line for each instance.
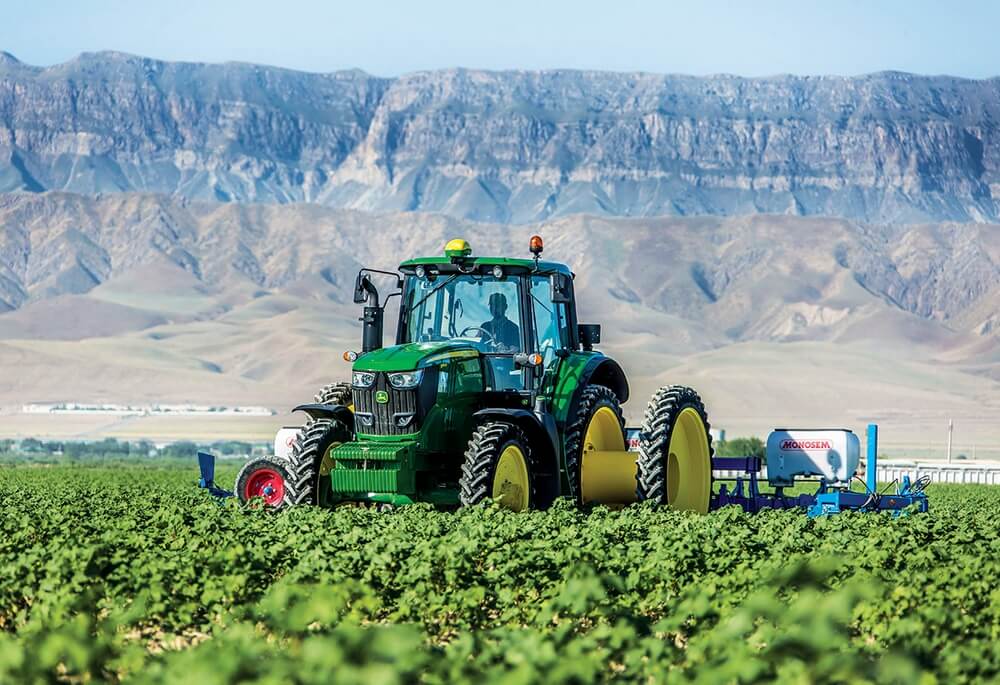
<point>130,574</point>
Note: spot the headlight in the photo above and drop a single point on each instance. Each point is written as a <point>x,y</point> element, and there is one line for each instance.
<point>363,379</point>
<point>406,379</point>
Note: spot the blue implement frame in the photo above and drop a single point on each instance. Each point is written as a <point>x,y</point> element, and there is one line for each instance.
<point>746,491</point>
<point>206,465</point>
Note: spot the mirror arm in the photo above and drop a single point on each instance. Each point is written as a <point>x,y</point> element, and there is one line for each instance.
<point>363,284</point>
<point>369,288</point>
<point>399,276</point>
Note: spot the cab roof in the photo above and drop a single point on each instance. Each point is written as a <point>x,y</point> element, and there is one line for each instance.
<point>446,264</point>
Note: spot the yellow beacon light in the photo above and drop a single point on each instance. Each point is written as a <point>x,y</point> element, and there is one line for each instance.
<point>457,249</point>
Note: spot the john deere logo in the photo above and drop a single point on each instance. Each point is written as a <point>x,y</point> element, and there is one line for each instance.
<point>381,397</point>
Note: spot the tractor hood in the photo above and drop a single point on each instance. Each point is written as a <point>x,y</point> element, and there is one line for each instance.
<point>410,356</point>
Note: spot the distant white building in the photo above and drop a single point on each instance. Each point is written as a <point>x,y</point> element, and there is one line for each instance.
<point>144,410</point>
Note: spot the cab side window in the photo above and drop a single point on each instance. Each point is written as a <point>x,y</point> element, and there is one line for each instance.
<point>551,330</point>
<point>468,377</point>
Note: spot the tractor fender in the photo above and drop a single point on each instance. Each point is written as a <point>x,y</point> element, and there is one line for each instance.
<point>599,370</point>
<point>541,431</point>
<point>328,411</point>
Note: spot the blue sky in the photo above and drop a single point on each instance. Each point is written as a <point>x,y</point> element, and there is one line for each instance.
<point>388,38</point>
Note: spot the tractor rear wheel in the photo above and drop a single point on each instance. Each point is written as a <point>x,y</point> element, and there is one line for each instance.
<point>599,425</point>
<point>675,451</point>
<point>310,460</point>
<point>335,393</point>
<point>498,464</point>
<point>265,478</point>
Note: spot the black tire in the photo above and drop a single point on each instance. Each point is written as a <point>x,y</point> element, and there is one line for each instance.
<point>481,458</point>
<point>311,444</point>
<point>255,466</point>
<point>654,439</point>
<point>592,398</point>
<point>335,393</point>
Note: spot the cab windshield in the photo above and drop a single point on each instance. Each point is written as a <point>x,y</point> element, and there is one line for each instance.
<point>478,308</point>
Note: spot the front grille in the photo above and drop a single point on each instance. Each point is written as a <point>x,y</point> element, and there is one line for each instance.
<point>374,418</point>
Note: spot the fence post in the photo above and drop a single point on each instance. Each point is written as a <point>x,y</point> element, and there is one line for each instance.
<point>951,429</point>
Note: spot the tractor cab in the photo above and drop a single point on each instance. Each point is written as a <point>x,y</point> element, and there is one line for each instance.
<point>516,313</point>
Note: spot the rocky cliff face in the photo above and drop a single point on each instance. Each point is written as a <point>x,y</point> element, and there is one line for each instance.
<point>739,278</point>
<point>509,147</point>
<point>144,298</point>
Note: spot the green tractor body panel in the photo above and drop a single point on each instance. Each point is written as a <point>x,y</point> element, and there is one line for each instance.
<point>413,356</point>
<point>394,469</point>
<point>567,382</point>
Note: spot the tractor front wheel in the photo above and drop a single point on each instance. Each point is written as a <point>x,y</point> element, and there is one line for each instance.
<point>497,465</point>
<point>675,451</point>
<point>310,461</point>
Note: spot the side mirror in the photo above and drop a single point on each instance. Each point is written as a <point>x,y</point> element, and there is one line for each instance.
<point>590,335</point>
<point>360,296</point>
<point>561,288</point>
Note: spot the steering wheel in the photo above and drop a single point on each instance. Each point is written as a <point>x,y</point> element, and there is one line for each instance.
<point>492,340</point>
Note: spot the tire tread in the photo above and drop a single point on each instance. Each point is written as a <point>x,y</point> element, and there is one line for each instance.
<point>654,438</point>
<point>592,397</point>
<point>481,459</point>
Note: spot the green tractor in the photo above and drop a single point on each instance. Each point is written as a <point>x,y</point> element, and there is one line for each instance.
<point>492,390</point>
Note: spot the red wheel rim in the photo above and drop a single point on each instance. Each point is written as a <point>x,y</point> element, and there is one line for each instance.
<point>266,484</point>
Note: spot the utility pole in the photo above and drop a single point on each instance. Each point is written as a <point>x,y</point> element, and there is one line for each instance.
<point>951,429</point>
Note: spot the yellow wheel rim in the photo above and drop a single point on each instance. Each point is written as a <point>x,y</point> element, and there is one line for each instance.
<point>510,482</point>
<point>326,463</point>
<point>604,433</point>
<point>689,464</point>
<point>607,471</point>
<point>322,487</point>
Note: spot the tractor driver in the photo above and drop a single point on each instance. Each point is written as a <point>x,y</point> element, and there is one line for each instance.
<point>504,333</point>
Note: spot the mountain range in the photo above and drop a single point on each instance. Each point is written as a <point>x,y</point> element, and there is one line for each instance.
<point>507,147</point>
<point>802,250</point>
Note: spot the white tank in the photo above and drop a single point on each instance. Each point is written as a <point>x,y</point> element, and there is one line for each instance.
<point>832,455</point>
<point>284,441</point>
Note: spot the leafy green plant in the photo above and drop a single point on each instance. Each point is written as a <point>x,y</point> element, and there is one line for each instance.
<point>129,574</point>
